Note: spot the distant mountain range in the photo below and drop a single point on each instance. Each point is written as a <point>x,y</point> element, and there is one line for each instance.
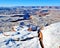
<point>24,9</point>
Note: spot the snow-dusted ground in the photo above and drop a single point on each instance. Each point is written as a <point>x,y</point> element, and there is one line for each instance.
<point>22,33</point>
<point>51,35</point>
<point>51,38</point>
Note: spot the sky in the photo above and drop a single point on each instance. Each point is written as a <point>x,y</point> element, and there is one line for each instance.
<point>9,3</point>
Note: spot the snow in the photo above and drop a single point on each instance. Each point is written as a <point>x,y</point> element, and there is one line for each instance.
<point>51,35</point>
<point>9,41</point>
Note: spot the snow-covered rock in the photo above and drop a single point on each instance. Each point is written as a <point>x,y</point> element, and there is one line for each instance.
<point>21,34</point>
<point>51,35</point>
